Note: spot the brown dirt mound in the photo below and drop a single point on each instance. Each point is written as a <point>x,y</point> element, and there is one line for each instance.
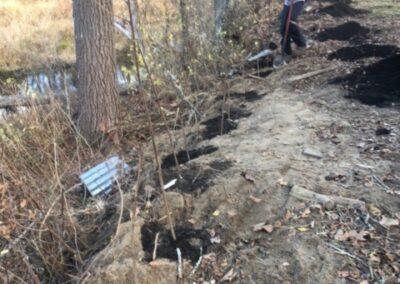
<point>377,84</point>
<point>345,32</point>
<point>363,51</point>
<point>341,9</point>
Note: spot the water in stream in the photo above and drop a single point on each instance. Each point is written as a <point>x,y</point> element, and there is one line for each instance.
<point>58,83</point>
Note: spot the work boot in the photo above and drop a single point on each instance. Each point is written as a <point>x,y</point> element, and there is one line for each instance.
<point>280,61</point>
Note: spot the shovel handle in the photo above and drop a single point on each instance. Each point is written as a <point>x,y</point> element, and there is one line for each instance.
<point>288,19</point>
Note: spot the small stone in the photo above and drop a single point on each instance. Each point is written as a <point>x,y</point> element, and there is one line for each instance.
<point>361,145</point>
<point>312,153</point>
<point>329,205</point>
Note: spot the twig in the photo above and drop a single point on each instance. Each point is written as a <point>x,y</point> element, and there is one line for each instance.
<point>121,212</point>
<point>134,209</point>
<point>255,77</point>
<point>6,271</point>
<point>384,186</point>
<point>197,263</point>
<point>343,252</point>
<point>179,254</point>
<point>309,74</point>
<point>156,246</point>
<point>149,121</point>
<point>307,195</point>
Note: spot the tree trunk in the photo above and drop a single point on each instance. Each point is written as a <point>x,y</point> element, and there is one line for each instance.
<point>96,64</point>
<point>220,8</point>
<point>183,9</point>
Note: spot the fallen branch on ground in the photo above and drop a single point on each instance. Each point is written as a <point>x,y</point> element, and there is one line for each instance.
<point>309,74</point>
<point>307,195</point>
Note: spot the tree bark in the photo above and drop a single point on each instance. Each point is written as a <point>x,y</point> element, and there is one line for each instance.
<point>183,9</point>
<point>220,8</point>
<point>96,65</point>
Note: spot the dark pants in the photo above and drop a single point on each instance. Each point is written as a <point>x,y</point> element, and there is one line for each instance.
<point>294,33</point>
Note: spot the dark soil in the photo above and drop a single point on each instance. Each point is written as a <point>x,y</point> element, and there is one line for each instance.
<point>263,74</point>
<point>223,124</point>
<point>348,2</point>
<point>196,178</point>
<point>250,96</point>
<point>377,84</point>
<point>340,9</point>
<point>189,241</point>
<point>345,32</point>
<point>352,53</point>
<point>187,155</point>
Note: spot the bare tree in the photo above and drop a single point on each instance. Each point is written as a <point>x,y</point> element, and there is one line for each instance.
<point>96,64</point>
<point>183,9</point>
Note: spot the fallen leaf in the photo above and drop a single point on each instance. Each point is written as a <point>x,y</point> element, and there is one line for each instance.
<point>303,229</point>
<point>4,252</point>
<point>306,213</point>
<point>351,235</point>
<point>374,211</point>
<point>216,213</point>
<point>31,214</point>
<point>288,216</point>
<point>248,177</point>
<point>211,257</point>
<point>389,222</point>
<point>255,199</point>
<point>258,227</point>
<point>268,228</point>
<point>374,258</point>
<point>23,204</point>
<point>343,274</point>
<point>229,276</point>
<point>5,231</point>
<point>364,282</point>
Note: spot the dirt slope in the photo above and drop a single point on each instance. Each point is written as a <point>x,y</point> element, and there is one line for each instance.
<point>235,202</point>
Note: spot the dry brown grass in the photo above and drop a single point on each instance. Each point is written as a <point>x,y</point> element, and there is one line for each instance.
<point>35,33</point>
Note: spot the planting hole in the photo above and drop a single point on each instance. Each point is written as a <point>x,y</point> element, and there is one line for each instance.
<point>189,241</point>
<point>223,124</point>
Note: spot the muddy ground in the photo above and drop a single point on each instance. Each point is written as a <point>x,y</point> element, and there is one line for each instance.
<point>335,133</point>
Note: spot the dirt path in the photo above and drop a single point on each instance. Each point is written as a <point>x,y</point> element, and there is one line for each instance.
<point>235,202</point>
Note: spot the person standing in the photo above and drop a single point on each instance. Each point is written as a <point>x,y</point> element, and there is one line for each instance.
<point>294,33</point>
